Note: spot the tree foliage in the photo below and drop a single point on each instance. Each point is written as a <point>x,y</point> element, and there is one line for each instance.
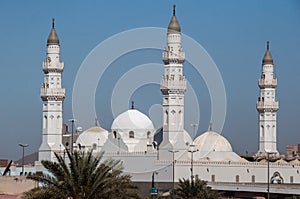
<point>194,189</point>
<point>84,177</point>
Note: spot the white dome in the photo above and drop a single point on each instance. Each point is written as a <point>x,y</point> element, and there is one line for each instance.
<point>94,135</point>
<point>212,141</point>
<point>132,120</point>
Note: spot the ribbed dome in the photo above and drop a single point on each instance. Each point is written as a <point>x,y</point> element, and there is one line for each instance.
<point>132,120</point>
<point>174,25</point>
<point>267,58</point>
<point>212,141</point>
<point>53,38</point>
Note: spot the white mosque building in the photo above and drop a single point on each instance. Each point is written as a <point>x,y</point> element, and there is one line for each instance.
<point>145,150</point>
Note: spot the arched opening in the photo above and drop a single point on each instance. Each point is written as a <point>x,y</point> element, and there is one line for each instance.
<point>253,178</point>
<point>115,134</point>
<point>131,134</point>
<point>237,178</point>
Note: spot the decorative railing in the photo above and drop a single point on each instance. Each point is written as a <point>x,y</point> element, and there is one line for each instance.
<point>262,83</point>
<point>59,92</point>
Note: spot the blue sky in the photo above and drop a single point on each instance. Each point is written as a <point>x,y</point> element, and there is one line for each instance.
<point>233,32</point>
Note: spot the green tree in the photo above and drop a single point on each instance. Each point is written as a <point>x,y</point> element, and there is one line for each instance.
<point>195,189</point>
<point>84,177</point>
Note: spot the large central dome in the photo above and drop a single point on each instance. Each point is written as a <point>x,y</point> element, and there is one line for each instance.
<point>133,120</point>
<point>134,128</point>
<point>212,141</point>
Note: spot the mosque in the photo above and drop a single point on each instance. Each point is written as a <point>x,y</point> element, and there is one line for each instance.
<point>168,152</point>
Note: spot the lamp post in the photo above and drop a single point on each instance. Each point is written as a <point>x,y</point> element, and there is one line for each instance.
<point>23,146</point>
<point>173,165</point>
<point>268,175</point>
<point>192,151</point>
<point>72,121</point>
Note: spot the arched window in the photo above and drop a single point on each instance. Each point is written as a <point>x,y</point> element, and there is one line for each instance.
<point>291,179</point>
<point>253,178</point>
<point>115,134</point>
<point>131,134</point>
<point>237,178</point>
<point>45,122</point>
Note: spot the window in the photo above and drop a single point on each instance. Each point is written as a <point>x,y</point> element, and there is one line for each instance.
<point>131,134</point>
<point>253,178</point>
<point>94,146</point>
<point>237,178</point>
<point>213,178</point>
<point>148,134</point>
<point>291,179</point>
<point>115,134</point>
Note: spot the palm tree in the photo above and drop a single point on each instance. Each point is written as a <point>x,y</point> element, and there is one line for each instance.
<point>195,189</point>
<point>84,177</point>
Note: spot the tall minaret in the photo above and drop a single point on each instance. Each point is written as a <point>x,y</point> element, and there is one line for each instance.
<point>52,95</point>
<point>267,106</point>
<point>173,87</point>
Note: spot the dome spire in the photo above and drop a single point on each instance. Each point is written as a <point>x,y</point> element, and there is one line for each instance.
<point>174,26</point>
<point>210,126</point>
<point>52,38</point>
<point>268,57</point>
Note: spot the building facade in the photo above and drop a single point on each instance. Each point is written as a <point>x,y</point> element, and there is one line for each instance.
<point>143,151</point>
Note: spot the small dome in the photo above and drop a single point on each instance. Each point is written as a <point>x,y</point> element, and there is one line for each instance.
<point>53,38</point>
<point>212,141</point>
<point>268,57</point>
<point>132,120</point>
<point>174,25</point>
<point>94,135</point>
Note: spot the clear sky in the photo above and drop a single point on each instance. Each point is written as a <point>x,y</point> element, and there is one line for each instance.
<point>233,32</point>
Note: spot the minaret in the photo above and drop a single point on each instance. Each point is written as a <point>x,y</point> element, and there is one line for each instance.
<point>173,87</point>
<point>267,106</point>
<point>52,95</point>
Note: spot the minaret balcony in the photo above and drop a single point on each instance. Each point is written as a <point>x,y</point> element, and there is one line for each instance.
<point>53,92</point>
<point>169,56</point>
<point>58,68</point>
<point>172,84</point>
<point>267,83</point>
<point>264,106</point>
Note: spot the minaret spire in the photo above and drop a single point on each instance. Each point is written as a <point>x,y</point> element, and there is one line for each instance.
<point>52,95</point>
<point>132,105</point>
<point>173,87</point>
<point>267,106</point>
<point>53,38</point>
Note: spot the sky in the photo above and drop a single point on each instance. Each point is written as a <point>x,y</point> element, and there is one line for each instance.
<point>233,33</point>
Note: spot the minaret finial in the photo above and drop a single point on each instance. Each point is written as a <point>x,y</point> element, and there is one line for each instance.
<point>132,104</point>
<point>268,45</point>
<point>52,22</point>
<point>210,126</point>
<point>96,121</point>
<point>174,10</point>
